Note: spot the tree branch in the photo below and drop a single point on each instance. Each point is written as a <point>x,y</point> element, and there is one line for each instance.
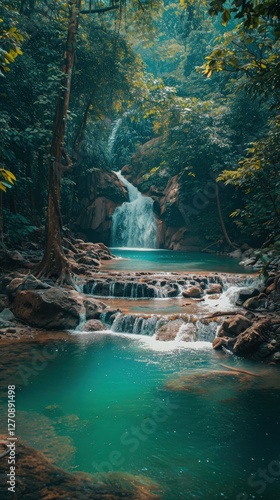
<point>99,11</point>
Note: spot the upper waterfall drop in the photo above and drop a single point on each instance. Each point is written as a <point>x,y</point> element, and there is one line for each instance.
<point>133,223</point>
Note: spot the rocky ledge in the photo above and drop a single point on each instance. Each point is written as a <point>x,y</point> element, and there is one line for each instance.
<point>40,304</point>
<point>255,331</point>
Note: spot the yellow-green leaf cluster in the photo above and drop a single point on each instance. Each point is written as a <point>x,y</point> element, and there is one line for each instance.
<point>10,47</point>
<point>7,179</point>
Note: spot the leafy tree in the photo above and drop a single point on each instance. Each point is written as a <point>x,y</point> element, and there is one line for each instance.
<point>258,176</point>
<point>11,39</point>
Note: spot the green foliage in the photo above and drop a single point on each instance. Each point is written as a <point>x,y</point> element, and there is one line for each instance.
<point>17,228</point>
<point>201,126</point>
<point>250,13</point>
<point>258,176</point>
<point>11,39</point>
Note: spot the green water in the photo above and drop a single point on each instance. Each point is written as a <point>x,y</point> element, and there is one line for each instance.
<point>135,259</point>
<point>117,414</point>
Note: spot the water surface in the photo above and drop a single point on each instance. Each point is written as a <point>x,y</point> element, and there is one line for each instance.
<point>135,259</point>
<point>114,412</point>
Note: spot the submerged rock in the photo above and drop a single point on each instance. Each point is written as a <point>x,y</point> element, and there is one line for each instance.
<point>38,478</point>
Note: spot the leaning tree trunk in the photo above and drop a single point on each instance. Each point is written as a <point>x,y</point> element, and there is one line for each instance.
<point>227,238</point>
<point>55,262</point>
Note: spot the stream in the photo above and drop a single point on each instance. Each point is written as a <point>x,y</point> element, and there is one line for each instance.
<point>203,424</point>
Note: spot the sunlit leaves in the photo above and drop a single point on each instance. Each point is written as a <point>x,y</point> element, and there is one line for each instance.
<point>7,179</point>
<point>250,13</point>
<point>10,43</point>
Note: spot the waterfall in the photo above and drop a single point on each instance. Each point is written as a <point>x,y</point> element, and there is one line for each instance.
<point>181,328</point>
<point>133,223</point>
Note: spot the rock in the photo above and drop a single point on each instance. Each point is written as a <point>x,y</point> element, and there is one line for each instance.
<point>25,283</point>
<point>248,342</point>
<point>265,350</point>
<point>214,288</point>
<point>252,303</point>
<point>248,262</point>
<point>54,308</point>
<point>214,297</point>
<point>53,411</point>
<point>193,292</point>
<point>93,325</point>
<point>217,343</point>
<point>101,192</point>
<point>187,332</point>
<point>234,326</point>
<point>15,256</point>
<point>4,302</point>
<point>275,358</point>
<point>11,330</point>
<point>93,308</point>
<point>247,293</point>
<point>236,254</point>
<point>170,330</point>
<point>270,288</point>
<point>38,478</point>
<point>7,315</point>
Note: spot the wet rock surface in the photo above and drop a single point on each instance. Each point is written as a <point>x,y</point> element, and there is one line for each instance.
<point>256,332</point>
<point>37,477</point>
<point>41,304</point>
<point>54,308</point>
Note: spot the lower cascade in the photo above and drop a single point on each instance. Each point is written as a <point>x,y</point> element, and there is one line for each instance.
<point>180,327</point>
<point>133,223</point>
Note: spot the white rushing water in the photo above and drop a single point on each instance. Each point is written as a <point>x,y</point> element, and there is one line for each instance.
<point>133,223</point>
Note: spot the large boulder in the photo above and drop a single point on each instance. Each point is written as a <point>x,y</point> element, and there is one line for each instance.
<point>233,326</point>
<point>248,342</point>
<point>54,308</point>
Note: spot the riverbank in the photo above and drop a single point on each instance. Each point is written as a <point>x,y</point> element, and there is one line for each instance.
<point>238,313</point>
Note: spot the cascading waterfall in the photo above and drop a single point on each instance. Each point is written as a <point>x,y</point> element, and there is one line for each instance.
<point>150,325</point>
<point>133,223</point>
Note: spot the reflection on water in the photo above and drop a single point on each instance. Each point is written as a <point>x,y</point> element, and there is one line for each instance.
<point>117,401</point>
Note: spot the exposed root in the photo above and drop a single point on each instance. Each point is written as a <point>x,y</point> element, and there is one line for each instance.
<point>80,258</point>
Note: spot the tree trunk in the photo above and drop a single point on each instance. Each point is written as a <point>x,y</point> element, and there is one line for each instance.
<point>227,238</point>
<point>55,262</point>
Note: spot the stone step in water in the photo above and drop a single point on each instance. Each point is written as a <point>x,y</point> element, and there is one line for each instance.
<point>135,286</point>
<point>181,327</point>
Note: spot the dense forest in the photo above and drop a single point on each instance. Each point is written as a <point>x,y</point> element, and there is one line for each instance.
<point>183,96</point>
<point>139,249</point>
